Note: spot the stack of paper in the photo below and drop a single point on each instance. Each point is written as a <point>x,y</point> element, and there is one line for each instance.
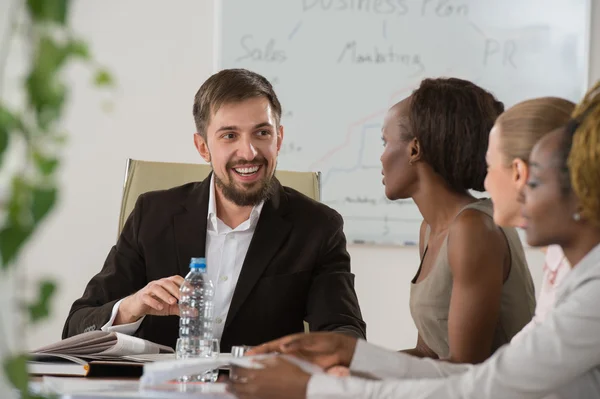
<point>97,353</point>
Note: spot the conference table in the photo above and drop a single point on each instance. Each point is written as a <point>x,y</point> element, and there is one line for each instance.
<point>104,388</point>
<point>159,380</point>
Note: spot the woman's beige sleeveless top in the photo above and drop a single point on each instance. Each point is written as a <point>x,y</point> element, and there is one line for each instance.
<point>430,298</point>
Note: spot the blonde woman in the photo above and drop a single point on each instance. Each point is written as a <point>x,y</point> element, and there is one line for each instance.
<point>511,140</point>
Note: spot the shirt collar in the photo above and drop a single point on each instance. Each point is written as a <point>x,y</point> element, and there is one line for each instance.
<point>586,269</point>
<point>212,210</point>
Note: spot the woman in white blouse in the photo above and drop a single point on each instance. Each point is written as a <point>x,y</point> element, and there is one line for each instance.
<point>557,358</point>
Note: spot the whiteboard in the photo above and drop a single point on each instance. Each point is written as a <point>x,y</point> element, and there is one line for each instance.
<point>338,65</point>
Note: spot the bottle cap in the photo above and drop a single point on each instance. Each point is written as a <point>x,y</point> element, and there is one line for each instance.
<point>198,263</point>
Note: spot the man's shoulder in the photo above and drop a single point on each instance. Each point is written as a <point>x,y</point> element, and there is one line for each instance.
<point>168,199</point>
<point>308,208</point>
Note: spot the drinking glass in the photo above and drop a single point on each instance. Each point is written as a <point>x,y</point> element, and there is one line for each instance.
<point>213,352</point>
<point>208,348</point>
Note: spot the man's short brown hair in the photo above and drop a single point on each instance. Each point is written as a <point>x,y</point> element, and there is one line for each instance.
<point>231,85</point>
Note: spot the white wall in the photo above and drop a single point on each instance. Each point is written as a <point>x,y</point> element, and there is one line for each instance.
<point>160,54</point>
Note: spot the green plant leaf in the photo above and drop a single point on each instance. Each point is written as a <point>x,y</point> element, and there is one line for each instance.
<point>18,200</point>
<point>103,78</point>
<point>48,10</point>
<point>26,208</point>
<point>47,96</point>
<point>15,369</point>
<point>29,395</point>
<point>45,91</point>
<point>12,238</point>
<point>43,200</point>
<point>50,55</point>
<point>78,49</point>
<point>45,165</point>
<point>3,141</point>
<point>40,309</point>
<point>8,123</point>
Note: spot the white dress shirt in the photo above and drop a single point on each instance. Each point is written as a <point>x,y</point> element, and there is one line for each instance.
<point>226,250</point>
<point>558,358</point>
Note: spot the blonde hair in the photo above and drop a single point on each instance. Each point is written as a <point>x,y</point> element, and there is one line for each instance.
<point>522,125</point>
<point>584,157</point>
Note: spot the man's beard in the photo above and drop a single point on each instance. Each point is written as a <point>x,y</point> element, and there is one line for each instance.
<point>255,192</point>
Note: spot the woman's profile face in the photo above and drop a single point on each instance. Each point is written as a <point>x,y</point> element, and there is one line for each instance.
<point>399,176</point>
<point>501,184</point>
<point>547,209</point>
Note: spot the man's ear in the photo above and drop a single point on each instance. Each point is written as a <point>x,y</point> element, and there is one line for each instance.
<point>279,137</point>
<point>520,173</point>
<point>202,147</point>
<point>414,151</point>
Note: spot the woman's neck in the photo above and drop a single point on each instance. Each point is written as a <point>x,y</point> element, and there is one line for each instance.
<point>579,245</point>
<point>438,203</point>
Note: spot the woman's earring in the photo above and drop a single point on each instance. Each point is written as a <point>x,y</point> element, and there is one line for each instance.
<point>577,216</point>
<point>410,162</point>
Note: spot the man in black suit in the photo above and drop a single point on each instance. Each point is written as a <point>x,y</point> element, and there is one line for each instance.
<point>276,257</point>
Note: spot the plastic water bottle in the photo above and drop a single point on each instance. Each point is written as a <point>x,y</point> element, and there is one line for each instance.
<point>196,317</point>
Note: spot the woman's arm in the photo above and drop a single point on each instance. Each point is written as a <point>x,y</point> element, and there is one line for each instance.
<point>478,254</point>
<point>421,350</point>
<point>550,358</point>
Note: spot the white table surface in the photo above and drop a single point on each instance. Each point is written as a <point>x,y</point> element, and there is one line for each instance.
<point>86,388</point>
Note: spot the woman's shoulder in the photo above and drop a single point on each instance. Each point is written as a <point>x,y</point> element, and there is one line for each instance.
<point>476,217</point>
<point>474,230</point>
<point>485,209</point>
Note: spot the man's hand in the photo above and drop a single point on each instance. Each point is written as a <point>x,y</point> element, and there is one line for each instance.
<point>158,298</point>
<point>324,349</point>
<point>278,379</point>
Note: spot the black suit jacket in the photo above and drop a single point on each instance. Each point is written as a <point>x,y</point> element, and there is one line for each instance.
<point>297,268</point>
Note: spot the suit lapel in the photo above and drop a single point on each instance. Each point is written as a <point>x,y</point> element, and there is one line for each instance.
<point>271,232</point>
<point>190,226</point>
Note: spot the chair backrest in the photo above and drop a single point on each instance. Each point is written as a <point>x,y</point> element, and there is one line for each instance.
<point>144,176</point>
